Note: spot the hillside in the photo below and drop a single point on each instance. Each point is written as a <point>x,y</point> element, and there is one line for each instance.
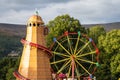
<point>19,30</point>
<point>10,35</point>
<point>107,26</point>
<point>12,29</point>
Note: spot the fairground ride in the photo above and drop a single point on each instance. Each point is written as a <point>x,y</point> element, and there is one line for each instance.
<point>75,56</point>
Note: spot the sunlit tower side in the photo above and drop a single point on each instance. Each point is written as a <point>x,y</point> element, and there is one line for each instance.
<point>34,64</point>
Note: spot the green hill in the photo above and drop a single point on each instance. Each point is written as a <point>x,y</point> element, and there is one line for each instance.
<point>10,36</point>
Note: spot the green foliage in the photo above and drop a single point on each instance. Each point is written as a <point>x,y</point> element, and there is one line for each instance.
<point>103,72</point>
<point>7,67</point>
<point>109,45</point>
<point>115,65</point>
<point>95,32</point>
<point>61,24</point>
<point>9,43</point>
<point>111,42</point>
<point>9,75</point>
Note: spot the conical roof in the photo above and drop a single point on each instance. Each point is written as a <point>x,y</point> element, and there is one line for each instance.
<point>35,18</point>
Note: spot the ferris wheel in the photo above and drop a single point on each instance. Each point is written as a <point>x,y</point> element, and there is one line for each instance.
<point>75,55</point>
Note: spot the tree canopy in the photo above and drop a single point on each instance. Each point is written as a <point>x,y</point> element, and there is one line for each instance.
<point>96,31</point>
<point>109,45</point>
<point>61,24</point>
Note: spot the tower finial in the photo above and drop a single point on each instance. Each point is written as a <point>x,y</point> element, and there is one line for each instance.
<point>36,10</point>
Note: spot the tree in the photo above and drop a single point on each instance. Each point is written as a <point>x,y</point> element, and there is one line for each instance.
<point>95,32</point>
<point>61,24</point>
<point>115,65</point>
<point>7,67</point>
<point>110,50</point>
<point>9,74</point>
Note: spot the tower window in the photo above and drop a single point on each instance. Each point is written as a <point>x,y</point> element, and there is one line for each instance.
<point>45,31</point>
<point>30,24</point>
<point>34,24</point>
<point>38,24</point>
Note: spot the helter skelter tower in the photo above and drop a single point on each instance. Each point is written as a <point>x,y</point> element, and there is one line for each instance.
<point>34,64</point>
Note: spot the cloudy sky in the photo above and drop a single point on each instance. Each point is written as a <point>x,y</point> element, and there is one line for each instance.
<point>87,11</point>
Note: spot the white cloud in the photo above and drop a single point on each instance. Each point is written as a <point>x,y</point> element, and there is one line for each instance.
<point>87,11</point>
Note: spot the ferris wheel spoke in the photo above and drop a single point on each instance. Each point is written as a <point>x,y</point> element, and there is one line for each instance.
<point>85,54</point>
<point>91,51</point>
<point>55,62</point>
<point>83,47</point>
<point>82,40</point>
<point>76,70</point>
<point>61,54</point>
<point>82,67</point>
<point>63,66</point>
<point>69,44</point>
<point>69,70</point>
<point>76,44</point>
<point>55,66</point>
<point>89,47</point>
<point>63,47</point>
<point>86,61</point>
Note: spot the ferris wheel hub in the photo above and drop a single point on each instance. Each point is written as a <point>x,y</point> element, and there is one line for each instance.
<point>73,56</point>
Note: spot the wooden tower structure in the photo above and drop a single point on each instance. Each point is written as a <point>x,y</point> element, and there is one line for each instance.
<point>34,64</point>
